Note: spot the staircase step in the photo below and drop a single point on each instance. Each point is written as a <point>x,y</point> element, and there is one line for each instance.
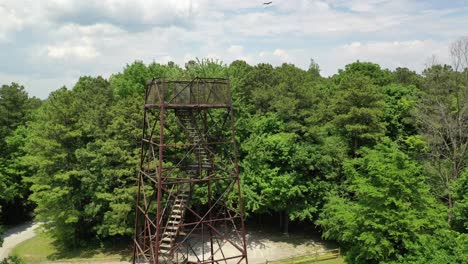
<point>172,227</point>
<point>203,166</point>
<point>165,246</point>
<point>166,239</point>
<point>170,233</point>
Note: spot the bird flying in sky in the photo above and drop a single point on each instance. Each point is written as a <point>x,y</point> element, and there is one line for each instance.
<point>267,3</point>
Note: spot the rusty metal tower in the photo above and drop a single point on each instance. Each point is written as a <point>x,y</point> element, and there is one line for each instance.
<point>189,202</point>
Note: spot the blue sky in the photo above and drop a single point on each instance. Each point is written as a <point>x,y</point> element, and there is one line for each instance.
<point>47,44</point>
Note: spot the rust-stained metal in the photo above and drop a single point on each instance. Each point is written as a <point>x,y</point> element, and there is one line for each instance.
<point>189,203</point>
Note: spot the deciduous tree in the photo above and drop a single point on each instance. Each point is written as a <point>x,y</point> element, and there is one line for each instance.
<point>387,208</point>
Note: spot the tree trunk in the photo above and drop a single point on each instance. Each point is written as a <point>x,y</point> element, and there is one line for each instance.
<point>454,178</point>
<point>280,220</point>
<point>450,205</point>
<point>286,223</point>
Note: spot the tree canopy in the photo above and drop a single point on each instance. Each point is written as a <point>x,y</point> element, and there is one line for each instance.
<point>375,159</point>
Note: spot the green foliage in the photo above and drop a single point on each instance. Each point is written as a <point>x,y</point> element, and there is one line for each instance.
<point>133,79</point>
<point>358,106</point>
<point>407,77</point>
<point>14,107</point>
<point>15,110</point>
<point>371,70</point>
<point>387,210</point>
<point>55,137</point>
<point>348,148</point>
<point>314,69</point>
<point>239,73</point>
<point>461,248</point>
<point>82,148</point>
<point>444,246</point>
<point>288,164</point>
<point>12,260</point>
<point>460,208</point>
<point>442,119</point>
<point>206,68</point>
<point>272,181</point>
<point>400,101</point>
<point>42,248</point>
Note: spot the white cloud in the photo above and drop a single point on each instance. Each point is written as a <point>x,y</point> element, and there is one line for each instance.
<point>134,14</point>
<point>238,52</point>
<point>236,49</point>
<point>389,54</point>
<point>11,22</point>
<point>283,55</point>
<point>278,56</point>
<point>100,29</point>
<point>188,57</point>
<point>363,6</point>
<point>396,52</point>
<point>65,37</point>
<point>213,56</point>
<point>165,59</point>
<point>64,51</point>
<point>39,86</point>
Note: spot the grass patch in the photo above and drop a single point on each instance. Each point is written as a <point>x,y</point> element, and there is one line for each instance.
<point>34,250</point>
<point>312,259</point>
<point>43,249</point>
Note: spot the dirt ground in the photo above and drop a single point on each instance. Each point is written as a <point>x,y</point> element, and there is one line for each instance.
<point>267,246</point>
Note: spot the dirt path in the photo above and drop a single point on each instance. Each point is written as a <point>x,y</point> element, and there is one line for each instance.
<point>16,235</point>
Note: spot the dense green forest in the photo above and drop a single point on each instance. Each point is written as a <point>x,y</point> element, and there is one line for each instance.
<point>374,159</point>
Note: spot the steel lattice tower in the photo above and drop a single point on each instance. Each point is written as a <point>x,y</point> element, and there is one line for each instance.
<point>189,202</point>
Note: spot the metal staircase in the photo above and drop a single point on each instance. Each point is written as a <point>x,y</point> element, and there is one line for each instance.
<point>196,138</point>
<point>173,228</point>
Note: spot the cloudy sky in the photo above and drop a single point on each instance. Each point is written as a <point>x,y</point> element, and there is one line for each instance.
<point>49,43</point>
